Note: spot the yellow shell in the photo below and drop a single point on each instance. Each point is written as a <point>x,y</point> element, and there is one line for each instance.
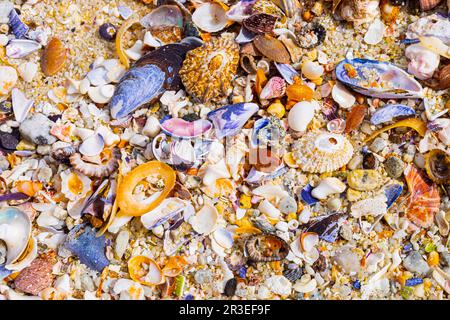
<point>145,270</point>
<point>319,152</point>
<point>208,70</point>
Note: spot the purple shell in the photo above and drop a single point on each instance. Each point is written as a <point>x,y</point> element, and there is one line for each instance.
<point>87,247</point>
<point>180,128</point>
<point>4,272</point>
<point>229,120</point>
<point>254,176</point>
<point>18,28</point>
<point>287,72</point>
<point>240,10</point>
<point>327,227</point>
<point>392,193</point>
<point>391,111</point>
<point>307,196</point>
<point>13,196</point>
<point>245,36</point>
<point>403,85</point>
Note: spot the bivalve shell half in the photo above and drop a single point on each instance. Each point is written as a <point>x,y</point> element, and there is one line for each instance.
<point>205,220</point>
<point>54,57</point>
<point>92,146</point>
<point>272,48</point>
<point>168,209</point>
<point>210,17</point>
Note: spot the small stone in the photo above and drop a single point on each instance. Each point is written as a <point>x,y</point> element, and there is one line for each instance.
<point>394,167</point>
<point>370,161</point>
<point>203,276</point>
<point>288,205</point>
<point>363,180</point>
<point>230,287</point>
<point>419,160</point>
<point>36,129</point>
<point>414,262</point>
<point>37,276</point>
<point>378,145</point>
<point>355,163</point>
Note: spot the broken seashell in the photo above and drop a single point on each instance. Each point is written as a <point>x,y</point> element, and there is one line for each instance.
<point>355,117</point>
<point>302,114</point>
<point>442,278</point>
<point>27,71</point>
<point>21,48</point>
<point>414,123</point>
<point>375,207</point>
<point>423,62</point>
<point>309,240</point>
<point>20,104</point>
<point>342,96</point>
<point>326,226</point>
<point>105,163</point>
<point>163,15</point>
<point>390,112</point>
<point>265,248</point>
<point>205,220</point>
<point>437,165</point>
<point>145,270</point>
<point>442,223</point>
<point>8,79</point>
<point>214,172</point>
<point>287,72</point>
<point>260,23</point>
<point>179,128</point>
<point>274,88</point>
<point>168,209</point>
<point>327,187</point>
<point>375,33</point>
<point>311,35</point>
<point>74,185</point>
<point>269,209</point>
<point>18,28</point>
<point>210,17</point>
<point>92,146</point>
<point>312,70</point>
<point>223,237</point>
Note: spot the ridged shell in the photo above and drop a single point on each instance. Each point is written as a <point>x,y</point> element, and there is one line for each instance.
<point>272,48</point>
<point>54,57</point>
<point>208,70</point>
<point>266,248</point>
<point>322,152</point>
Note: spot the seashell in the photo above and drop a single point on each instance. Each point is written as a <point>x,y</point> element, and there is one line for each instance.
<point>287,72</point>
<point>90,249</point>
<point>342,96</point>
<point>20,104</point>
<point>267,131</point>
<point>442,223</point>
<point>36,277</point>
<point>8,79</point>
<point>247,62</point>
<point>168,209</point>
<point>18,28</point>
<point>28,187</point>
<point>322,152</point>
<point>326,226</point>
<point>307,286</point>
<point>78,208</point>
<point>208,70</point>
<point>5,9</point>
<point>108,31</point>
<point>210,17</point>
<point>358,11</point>
<point>74,185</point>
<point>129,203</point>
<point>54,57</point>
<point>272,48</point>
<point>179,128</point>
<point>377,79</point>
<point>214,172</point>
<point>375,32</point>
<point>375,207</point>
<point>336,126</point>
<point>27,71</point>
<point>390,112</point>
<point>363,180</point>
<point>426,5</point>
<point>269,209</point>
<point>289,7</point>
<point>424,199</point>
<point>21,48</point>
<point>244,36</point>
<point>301,115</point>
<point>265,248</point>
<point>392,192</point>
<point>312,70</point>
<point>92,146</point>
<point>434,25</point>
<point>152,127</point>
<point>309,240</point>
<point>223,237</point>
<point>229,120</point>
<point>145,270</point>
<point>240,10</point>
<point>156,71</point>
<point>174,266</point>
<point>442,278</point>
<point>423,62</point>
<point>164,15</point>
<point>15,232</point>
<point>435,45</point>
<point>274,88</point>
<point>306,195</point>
<point>270,192</point>
<point>355,117</point>
<point>26,258</point>
<point>260,23</point>
<point>205,220</point>
<point>311,35</point>
<point>108,163</point>
<point>293,274</point>
<point>414,123</point>
<point>437,165</point>
<point>327,187</point>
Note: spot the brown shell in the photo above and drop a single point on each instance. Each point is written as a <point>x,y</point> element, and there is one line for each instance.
<point>355,117</point>
<point>266,248</point>
<point>260,23</point>
<point>272,48</point>
<point>54,57</point>
<point>38,276</point>
<point>108,166</point>
<point>444,78</point>
<point>426,5</point>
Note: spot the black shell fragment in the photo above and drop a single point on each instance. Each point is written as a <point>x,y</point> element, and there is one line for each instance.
<point>293,274</point>
<point>230,287</point>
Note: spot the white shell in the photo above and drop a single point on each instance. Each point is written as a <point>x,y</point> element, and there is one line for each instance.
<point>65,189</point>
<point>8,79</point>
<point>223,237</point>
<point>342,96</point>
<point>151,41</point>
<point>269,209</point>
<point>97,77</point>
<point>375,206</point>
<point>101,94</point>
<point>305,286</point>
<point>423,62</point>
<point>15,231</point>
<point>442,278</point>
<point>301,115</point>
<point>210,17</point>
<point>28,259</point>
<point>328,186</point>
<point>83,133</point>
<point>279,284</point>
<point>28,70</point>
<point>312,70</point>
<point>92,146</point>
<point>304,216</point>
<point>20,104</point>
<point>5,10</point>
<point>129,289</point>
<point>135,52</point>
<point>217,248</point>
<point>375,32</point>
<point>205,220</point>
<point>166,209</point>
<point>108,135</point>
<point>270,192</point>
<point>20,48</point>
<point>309,241</point>
<point>152,127</point>
<point>216,171</point>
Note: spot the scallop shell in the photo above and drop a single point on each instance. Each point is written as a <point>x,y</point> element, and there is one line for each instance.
<point>205,220</point>
<point>208,70</point>
<point>54,57</point>
<point>322,152</point>
<point>272,48</point>
<point>210,17</point>
<point>74,185</point>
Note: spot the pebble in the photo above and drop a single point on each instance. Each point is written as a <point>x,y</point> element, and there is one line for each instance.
<point>36,129</point>
<point>414,262</point>
<point>288,205</point>
<point>378,145</point>
<point>370,161</point>
<point>363,180</point>
<point>394,167</point>
<point>355,162</point>
<point>203,276</point>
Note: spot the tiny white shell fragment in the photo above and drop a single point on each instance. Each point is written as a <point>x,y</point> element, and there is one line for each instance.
<point>20,104</point>
<point>152,127</point>
<point>312,70</point>
<point>151,41</point>
<point>279,284</point>
<point>375,206</point>
<point>92,146</point>
<point>270,192</point>
<point>28,70</point>
<point>375,32</point>
<point>309,240</point>
<point>342,96</point>
<point>205,220</point>
<point>305,286</point>
<point>97,77</point>
<point>3,40</point>
<point>223,237</point>
<point>108,135</point>
<point>84,85</point>
<point>135,52</point>
<point>216,171</point>
<point>83,133</point>
<point>328,186</point>
<point>269,209</point>
<point>304,216</point>
<point>102,94</point>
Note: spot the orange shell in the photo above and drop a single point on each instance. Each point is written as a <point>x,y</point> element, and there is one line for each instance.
<point>414,123</point>
<point>299,92</point>
<point>54,57</point>
<point>424,200</point>
<point>355,117</point>
<point>30,188</point>
<point>127,202</point>
<point>119,37</point>
<point>260,81</point>
<point>137,272</point>
<point>174,266</point>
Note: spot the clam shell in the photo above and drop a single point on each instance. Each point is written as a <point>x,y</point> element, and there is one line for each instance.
<point>21,48</point>
<point>165,15</point>
<point>312,35</point>
<point>54,57</point>
<point>15,231</point>
<point>20,104</point>
<point>179,128</point>
<point>210,17</point>
<point>390,112</point>
<point>205,220</point>
<point>342,96</point>
<point>168,209</point>
<point>272,48</point>
<point>92,146</point>
<point>244,36</point>
<point>392,82</point>
<point>223,237</point>
<point>27,257</point>
<point>301,115</point>
<point>326,226</point>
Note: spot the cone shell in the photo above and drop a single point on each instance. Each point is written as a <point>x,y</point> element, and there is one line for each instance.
<point>322,152</point>
<point>208,70</point>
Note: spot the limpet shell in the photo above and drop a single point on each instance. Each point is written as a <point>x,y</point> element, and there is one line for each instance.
<point>54,57</point>
<point>272,48</point>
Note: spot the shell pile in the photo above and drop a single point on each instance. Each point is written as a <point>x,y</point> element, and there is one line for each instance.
<point>239,149</point>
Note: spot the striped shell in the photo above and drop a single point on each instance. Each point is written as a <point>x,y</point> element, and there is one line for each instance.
<point>322,152</point>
